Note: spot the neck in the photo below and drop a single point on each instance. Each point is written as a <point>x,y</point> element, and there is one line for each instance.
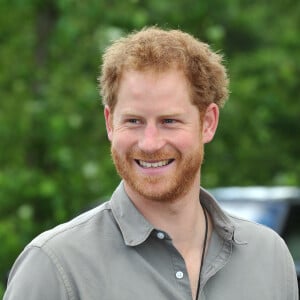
<point>182,219</point>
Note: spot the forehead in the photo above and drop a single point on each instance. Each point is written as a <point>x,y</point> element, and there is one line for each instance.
<point>153,93</point>
<point>151,83</point>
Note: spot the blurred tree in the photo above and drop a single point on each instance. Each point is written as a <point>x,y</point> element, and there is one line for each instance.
<point>54,154</point>
<point>257,139</point>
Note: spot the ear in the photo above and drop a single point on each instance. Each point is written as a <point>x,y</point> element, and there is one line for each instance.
<point>210,122</point>
<point>108,122</point>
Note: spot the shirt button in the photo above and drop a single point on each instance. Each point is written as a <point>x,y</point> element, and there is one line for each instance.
<point>179,275</point>
<point>160,235</point>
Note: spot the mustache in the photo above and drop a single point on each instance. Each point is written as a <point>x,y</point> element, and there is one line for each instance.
<point>153,156</point>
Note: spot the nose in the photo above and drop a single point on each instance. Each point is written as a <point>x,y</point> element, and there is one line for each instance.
<point>151,139</point>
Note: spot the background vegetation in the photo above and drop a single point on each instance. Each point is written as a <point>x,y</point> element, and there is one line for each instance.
<point>54,155</point>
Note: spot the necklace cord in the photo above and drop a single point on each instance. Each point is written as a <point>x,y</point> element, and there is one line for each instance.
<point>203,249</point>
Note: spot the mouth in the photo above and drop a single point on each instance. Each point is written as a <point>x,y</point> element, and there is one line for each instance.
<point>156,164</point>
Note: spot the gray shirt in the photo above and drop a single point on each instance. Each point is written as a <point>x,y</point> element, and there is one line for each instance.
<point>113,252</point>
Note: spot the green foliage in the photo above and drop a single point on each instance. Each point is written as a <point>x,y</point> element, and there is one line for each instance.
<point>54,154</point>
<point>257,141</point>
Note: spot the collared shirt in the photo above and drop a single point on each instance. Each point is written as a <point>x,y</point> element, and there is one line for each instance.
<point>113,252</point>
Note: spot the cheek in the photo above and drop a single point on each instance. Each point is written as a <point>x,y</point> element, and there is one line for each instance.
<point>122,142</point>
<point>186,143</point>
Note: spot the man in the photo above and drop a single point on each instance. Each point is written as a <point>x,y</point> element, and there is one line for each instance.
<point>160,236</point>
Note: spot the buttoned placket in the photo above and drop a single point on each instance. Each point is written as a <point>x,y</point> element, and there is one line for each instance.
<point>180,273</point>
<point>135,235</point>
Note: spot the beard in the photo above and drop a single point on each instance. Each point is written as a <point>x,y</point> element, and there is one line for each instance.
<point>162,188</point>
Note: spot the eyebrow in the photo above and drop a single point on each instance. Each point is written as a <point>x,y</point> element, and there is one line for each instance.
<point>166,115</point>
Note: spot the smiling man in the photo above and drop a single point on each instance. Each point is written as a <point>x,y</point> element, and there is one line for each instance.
<point>161,236</point>
<point>155,135</point>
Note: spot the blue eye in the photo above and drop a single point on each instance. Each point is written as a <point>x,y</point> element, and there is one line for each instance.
<point>133,121</point>
<point>169,121</point>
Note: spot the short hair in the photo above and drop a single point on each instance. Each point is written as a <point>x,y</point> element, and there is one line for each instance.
<point>160,50</point>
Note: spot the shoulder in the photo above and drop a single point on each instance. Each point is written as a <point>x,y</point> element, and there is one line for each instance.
<point>54,254</point>
<point>82,225</point>
<point>251,231</point>
<point>264,244</point>
<point>258,236</point>
<point>265,250</point>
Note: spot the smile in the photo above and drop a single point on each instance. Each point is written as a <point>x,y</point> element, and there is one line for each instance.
<point>156,164</point>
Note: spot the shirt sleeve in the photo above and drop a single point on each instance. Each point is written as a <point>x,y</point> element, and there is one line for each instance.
<point>35,276</point>
<point>291,283</point>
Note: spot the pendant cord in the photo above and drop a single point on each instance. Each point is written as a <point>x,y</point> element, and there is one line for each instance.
<point>203,250</point>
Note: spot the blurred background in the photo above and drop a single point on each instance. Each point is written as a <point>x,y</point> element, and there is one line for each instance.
<point>54,154</point>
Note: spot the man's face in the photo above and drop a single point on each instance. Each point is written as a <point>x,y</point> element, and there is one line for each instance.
<point>155,135</point>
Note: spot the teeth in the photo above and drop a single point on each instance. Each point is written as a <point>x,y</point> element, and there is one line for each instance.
<point>153,165</point>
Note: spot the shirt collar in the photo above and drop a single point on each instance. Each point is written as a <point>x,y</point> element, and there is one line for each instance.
<point>133,225</point>
<point>136,229</point>
<point>222,222</point>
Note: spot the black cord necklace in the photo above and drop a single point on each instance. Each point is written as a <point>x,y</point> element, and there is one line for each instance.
<point>203,250</point>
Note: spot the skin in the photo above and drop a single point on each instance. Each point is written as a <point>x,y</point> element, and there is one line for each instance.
<point>157,140</point>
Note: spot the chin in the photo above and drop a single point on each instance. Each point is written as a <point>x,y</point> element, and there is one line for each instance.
<point>159,191</point>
